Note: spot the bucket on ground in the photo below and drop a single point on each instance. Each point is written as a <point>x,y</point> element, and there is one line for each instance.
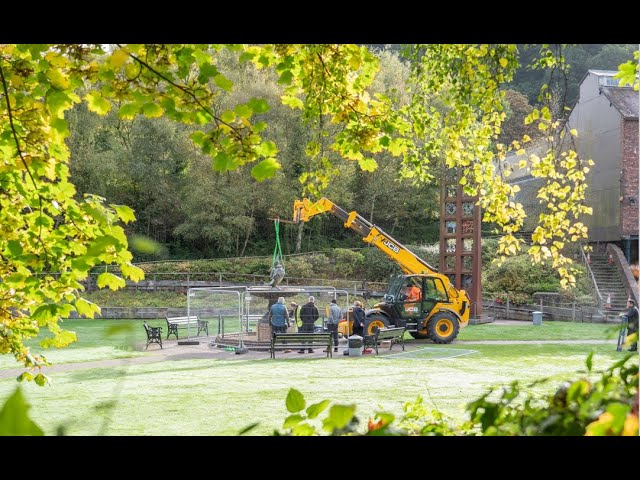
<point>355,345</point>
<point>537,318</point>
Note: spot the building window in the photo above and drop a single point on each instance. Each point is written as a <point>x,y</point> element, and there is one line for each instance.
<point>451,226</point>
<point>608,81</point>
<point>450,209</point>
<point>451,245</point>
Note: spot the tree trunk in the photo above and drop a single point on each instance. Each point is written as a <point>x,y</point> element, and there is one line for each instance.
<point>299,237</point>
<point>246,241</point>
<point>373,204</point>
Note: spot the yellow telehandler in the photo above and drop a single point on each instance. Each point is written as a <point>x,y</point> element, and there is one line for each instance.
<point>422,299</point>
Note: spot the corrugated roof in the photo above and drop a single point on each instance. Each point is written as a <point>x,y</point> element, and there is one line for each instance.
<point>625,99</point>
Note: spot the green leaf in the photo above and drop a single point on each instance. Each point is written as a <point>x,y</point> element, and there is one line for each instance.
<point>152,110</point>
<point>295,401</point>
<point>317,408</point>
<point>285,77</point>
<point>132,272</point>
<point>397,146</point>
<point>312,149</point>
<point>577,389</point>
<point>58,102</point>
<point>292,420</point>
<point>223,82</point>
<point>41,380</point>
<point>61,339</point>
<point>61,126</point>
<point>265,169</point>
<point>128,111</point>
<point>107,279</point>
<point>83,263</point>
<point>228,116</point>
<point>339,416</point>
<point>207,70</point>
<point>101,244</point>
<point>97,104</point>
<point>124,212</point>
<point>293,102</point>
<point>223,162</point>
<point>589,361</point>
<point>144,244</point>
<point>243,111</point>
<point>14,247</point>
<point>198,138</point>
<point>248,428</point>
<point>267,149</point>
<point>45,313</point>
<point>86,308</point>
<point>303,430</point>
<point>258,105</point>
<point>24,376</point>
<point>619,412</point>
<point>368,164</point>
<point>14,418</point>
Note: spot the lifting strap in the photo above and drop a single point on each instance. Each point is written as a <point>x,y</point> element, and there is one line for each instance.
<point>277,252</point>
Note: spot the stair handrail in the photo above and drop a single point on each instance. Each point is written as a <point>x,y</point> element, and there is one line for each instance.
<point>620,261</point>
<point>594,284</point>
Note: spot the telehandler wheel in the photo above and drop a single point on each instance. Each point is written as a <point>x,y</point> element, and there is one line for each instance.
<point>443,327</point>
<point>375,320</point>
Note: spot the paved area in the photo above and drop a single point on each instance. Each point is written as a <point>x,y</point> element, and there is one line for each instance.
<point>171,351</point>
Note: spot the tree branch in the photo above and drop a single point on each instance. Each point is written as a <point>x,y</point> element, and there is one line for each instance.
<point>21,155</point>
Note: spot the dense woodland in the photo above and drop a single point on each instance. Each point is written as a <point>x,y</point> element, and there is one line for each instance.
<point>151,165</point>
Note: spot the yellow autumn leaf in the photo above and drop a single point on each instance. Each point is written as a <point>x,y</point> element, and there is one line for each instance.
<point>118,58</point>
<point>504,62</point>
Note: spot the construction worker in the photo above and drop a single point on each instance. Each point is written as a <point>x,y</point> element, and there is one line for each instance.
<point>413,293</point>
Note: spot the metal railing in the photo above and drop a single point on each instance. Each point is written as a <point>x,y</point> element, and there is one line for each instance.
<point>592,278</point>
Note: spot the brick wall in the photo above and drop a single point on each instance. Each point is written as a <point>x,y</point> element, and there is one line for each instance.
<point>629,182</point>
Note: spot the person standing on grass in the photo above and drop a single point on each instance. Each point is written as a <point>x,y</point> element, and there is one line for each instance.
<point>294,316</point>
<point>335,314</point>
<point>632,322</point>
<point>308,314</point>
<point>358,318</point>
<point>279,317</point>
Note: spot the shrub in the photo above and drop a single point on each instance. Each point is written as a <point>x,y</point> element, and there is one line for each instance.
<point>348,263</point>
<point>518,277</point>
<point>299,267</point>
<point>379,267</point>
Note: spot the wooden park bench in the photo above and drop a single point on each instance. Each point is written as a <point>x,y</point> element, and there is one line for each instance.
<point>301,341</point>
<point>154,335</point>
<point>173,323</point>
<point>394,335</point>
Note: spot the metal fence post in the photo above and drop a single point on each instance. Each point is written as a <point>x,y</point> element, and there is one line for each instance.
<point>508,307</point>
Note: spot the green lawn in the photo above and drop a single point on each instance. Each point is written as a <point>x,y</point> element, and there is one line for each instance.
<point>105,339</point>
<point>220,397</point>
<point>547,331</point>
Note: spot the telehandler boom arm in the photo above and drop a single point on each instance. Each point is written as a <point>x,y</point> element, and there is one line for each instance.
<point>304,210</point>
